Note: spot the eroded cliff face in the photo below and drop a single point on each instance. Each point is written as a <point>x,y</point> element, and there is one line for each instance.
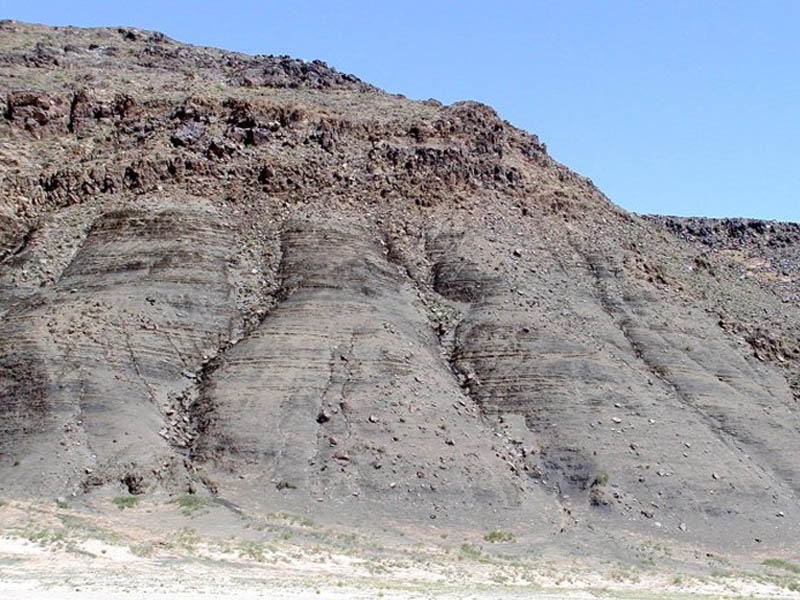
<point>265,280</point>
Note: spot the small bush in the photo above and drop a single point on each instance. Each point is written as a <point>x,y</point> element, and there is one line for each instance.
<point>600,478</point>
<point>186,540</point>
<point>191,505</point>
<point>252,550</point>
<point>144,550</point>
<point>47,536</point>
<point>469,551</point>
<point>124,502</point>
<point>495,537</point>
<point>299,520</point>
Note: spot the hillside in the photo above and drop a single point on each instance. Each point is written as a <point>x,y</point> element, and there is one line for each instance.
<point>263,281</point>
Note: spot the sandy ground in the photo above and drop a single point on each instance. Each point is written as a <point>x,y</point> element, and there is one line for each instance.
<point>55,553</point>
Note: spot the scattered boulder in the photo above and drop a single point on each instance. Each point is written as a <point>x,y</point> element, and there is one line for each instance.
<point>32,110</point>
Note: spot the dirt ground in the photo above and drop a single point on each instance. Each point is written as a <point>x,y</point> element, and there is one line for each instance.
<point>174,551</point>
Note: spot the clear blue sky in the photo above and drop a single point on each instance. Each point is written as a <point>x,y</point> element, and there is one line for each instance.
<point>679,107</point>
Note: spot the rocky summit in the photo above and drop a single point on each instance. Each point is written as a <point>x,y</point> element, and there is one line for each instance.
<point>263,281</point>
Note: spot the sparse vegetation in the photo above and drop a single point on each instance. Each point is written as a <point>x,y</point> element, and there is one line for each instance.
<point>46,536</point>
<point>299,520</point>
<point>375,568</point>
<point>599,479</point>
<point>778,563</point>
<point>123,502</point>
<point>469,551</point>
<point>252,550</point>
<point>191,505</point>
<point>495,537</point>
<point>144,550</point>
<point>186,539</point>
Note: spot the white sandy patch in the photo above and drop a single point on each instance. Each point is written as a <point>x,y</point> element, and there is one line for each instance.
<point>66,555</point>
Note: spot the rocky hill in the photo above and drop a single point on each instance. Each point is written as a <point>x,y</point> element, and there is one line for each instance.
<point>259,279</point>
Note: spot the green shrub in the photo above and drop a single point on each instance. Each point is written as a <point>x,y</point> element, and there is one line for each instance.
<point>124,502</point>
<point>191,505</point>
<point>495,537</point>
<point>469,551</point>
<point>252,550</point>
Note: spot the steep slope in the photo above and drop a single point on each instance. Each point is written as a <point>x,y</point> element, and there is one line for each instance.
<point>261,279</point>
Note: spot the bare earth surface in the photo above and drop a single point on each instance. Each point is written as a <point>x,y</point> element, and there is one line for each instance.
<point>190,551</point>
<point>266,329</point>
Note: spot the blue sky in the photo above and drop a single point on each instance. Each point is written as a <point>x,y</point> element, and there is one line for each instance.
<point>678,107</point>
